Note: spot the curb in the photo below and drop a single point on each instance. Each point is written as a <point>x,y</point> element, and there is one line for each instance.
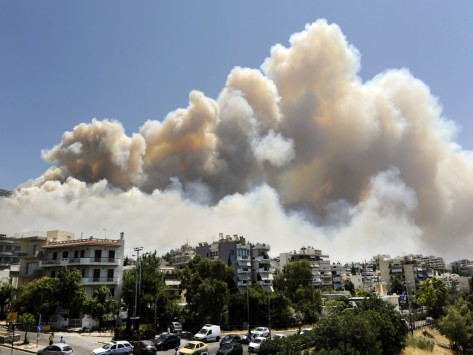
<point>20,348</point>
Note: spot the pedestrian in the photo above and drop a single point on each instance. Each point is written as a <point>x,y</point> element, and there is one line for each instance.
<point>62,340</point>
<point>51,339</point>
<point>176,352</point>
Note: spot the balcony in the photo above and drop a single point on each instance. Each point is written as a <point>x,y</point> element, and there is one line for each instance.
<point>99,280</point>
<point>244,283</point>
<point>31,273</point>
<point>79,261</point>
<point>264,270</point>
<point>243,270</point>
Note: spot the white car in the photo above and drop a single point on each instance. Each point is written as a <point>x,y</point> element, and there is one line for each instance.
<point>255,344</point>
<point>279,336</point>
<point>114,347</point>
<point>56,349</point>
<point>260,332</point>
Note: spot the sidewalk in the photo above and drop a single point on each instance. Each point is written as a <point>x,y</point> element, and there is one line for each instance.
<point>33,348</point>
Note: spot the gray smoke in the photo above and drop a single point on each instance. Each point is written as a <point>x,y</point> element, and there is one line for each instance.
<point>301,152</point>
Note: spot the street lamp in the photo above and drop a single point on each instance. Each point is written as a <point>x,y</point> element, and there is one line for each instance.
<point>137,282</point>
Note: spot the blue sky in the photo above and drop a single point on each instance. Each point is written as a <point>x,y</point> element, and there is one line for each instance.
<point>64,63</point>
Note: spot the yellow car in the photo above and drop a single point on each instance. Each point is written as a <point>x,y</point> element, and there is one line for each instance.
<point>194,348</point>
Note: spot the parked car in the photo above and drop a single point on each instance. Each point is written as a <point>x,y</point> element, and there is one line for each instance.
<point>429,320</point>
<point>229,338</point>
<point>144,347</point>
<point>260,332</point>
<point>194,347</point>
<point>175,327</point>
<point>279,336</point>
<point>114,347</point>
<point>56,349</point>
<point>255,344</point>
<point>209,332</point>
<point>233,348</point>
<point>167,341</point>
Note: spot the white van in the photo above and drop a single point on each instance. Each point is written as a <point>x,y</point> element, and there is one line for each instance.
<point>209,332</point>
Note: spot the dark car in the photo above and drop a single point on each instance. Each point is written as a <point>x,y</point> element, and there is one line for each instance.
<point>230,349</point>
<point>167,341</point>
<point>229,338</point>
<point>144,347</point>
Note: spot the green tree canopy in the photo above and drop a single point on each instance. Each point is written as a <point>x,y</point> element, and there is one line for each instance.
<point>434,294</point>
<point>101,305</point>
<point>295,283</point>
<point>39,297</point>
<point>457,325</point>
<point>27,321</point>
<point>207,284</point>
<point>71,292</point>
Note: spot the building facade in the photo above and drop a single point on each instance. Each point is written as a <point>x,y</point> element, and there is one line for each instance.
<point>322,275</point>
<point>251,262</point>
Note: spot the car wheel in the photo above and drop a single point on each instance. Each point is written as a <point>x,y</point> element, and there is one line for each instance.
<point>218,339</point>
<point>204,340</point>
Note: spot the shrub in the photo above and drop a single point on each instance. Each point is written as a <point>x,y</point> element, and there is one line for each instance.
<point>422,343</point>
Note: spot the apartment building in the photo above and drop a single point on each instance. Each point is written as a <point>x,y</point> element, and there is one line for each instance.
<point>410,270</point>
<point>100,261</point>
<point>251,262</point>
<point>180,257</point>
<point>322,275</point>
<point>463,267</point>
<point>262,272</point>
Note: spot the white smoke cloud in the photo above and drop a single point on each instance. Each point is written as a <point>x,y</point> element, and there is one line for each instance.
<point>301,152</point>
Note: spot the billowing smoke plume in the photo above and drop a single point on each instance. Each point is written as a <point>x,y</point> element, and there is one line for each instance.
<point>300,153</point>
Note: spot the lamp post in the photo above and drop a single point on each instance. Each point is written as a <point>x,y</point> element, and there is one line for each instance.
<point>137,283</point>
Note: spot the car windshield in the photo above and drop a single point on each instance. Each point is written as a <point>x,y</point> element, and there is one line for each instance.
<point>190,346</point>
<point>227,346</point>
<point>256,341</point>
<point>107,346</point>
<point>162,337</point>
<point>203,331</point>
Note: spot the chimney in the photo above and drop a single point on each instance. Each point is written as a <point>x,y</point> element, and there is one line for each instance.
<point>122,235</point>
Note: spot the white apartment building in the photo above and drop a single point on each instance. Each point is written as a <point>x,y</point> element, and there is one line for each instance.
<point>100,261</point>
<point>321,268</point>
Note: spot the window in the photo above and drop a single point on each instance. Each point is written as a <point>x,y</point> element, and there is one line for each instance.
<point>65,254</point>
<point>53,274</point>
<point>82,253</point>
<point>110,275</point>
<point>83,272</point>
<point>8,248</point>
<point>98,255</point>
<point>111,256</point>
<point>55,255</point>
<point>112,291</point>
<point>96,275</point>
<point>76,253</point>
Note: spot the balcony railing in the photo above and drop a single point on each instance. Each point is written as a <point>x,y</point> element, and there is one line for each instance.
<point>79,261</point>
<point>99,280</point>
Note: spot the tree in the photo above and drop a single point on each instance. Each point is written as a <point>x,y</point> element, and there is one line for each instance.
<point>27,321</point>
<point>207,284</point>
<point>72,293</point>
<point>154,297</point>
<point>39,297</point>
<point>295,283</point>
<point>396,285</point>
<point>349,286</point>
<point>5,296</point>
<point>374,327</point>
<point>101,305</point>
<point>434,294</point>
<point>457,325</point>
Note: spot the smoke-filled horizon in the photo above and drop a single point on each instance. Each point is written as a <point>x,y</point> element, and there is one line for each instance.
<point>298,153</point>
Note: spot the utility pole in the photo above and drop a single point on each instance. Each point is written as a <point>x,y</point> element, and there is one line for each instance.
<point>137,283</point>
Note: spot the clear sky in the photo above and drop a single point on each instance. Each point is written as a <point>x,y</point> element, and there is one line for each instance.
<point>345,124</point>
<point>64,63</point>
